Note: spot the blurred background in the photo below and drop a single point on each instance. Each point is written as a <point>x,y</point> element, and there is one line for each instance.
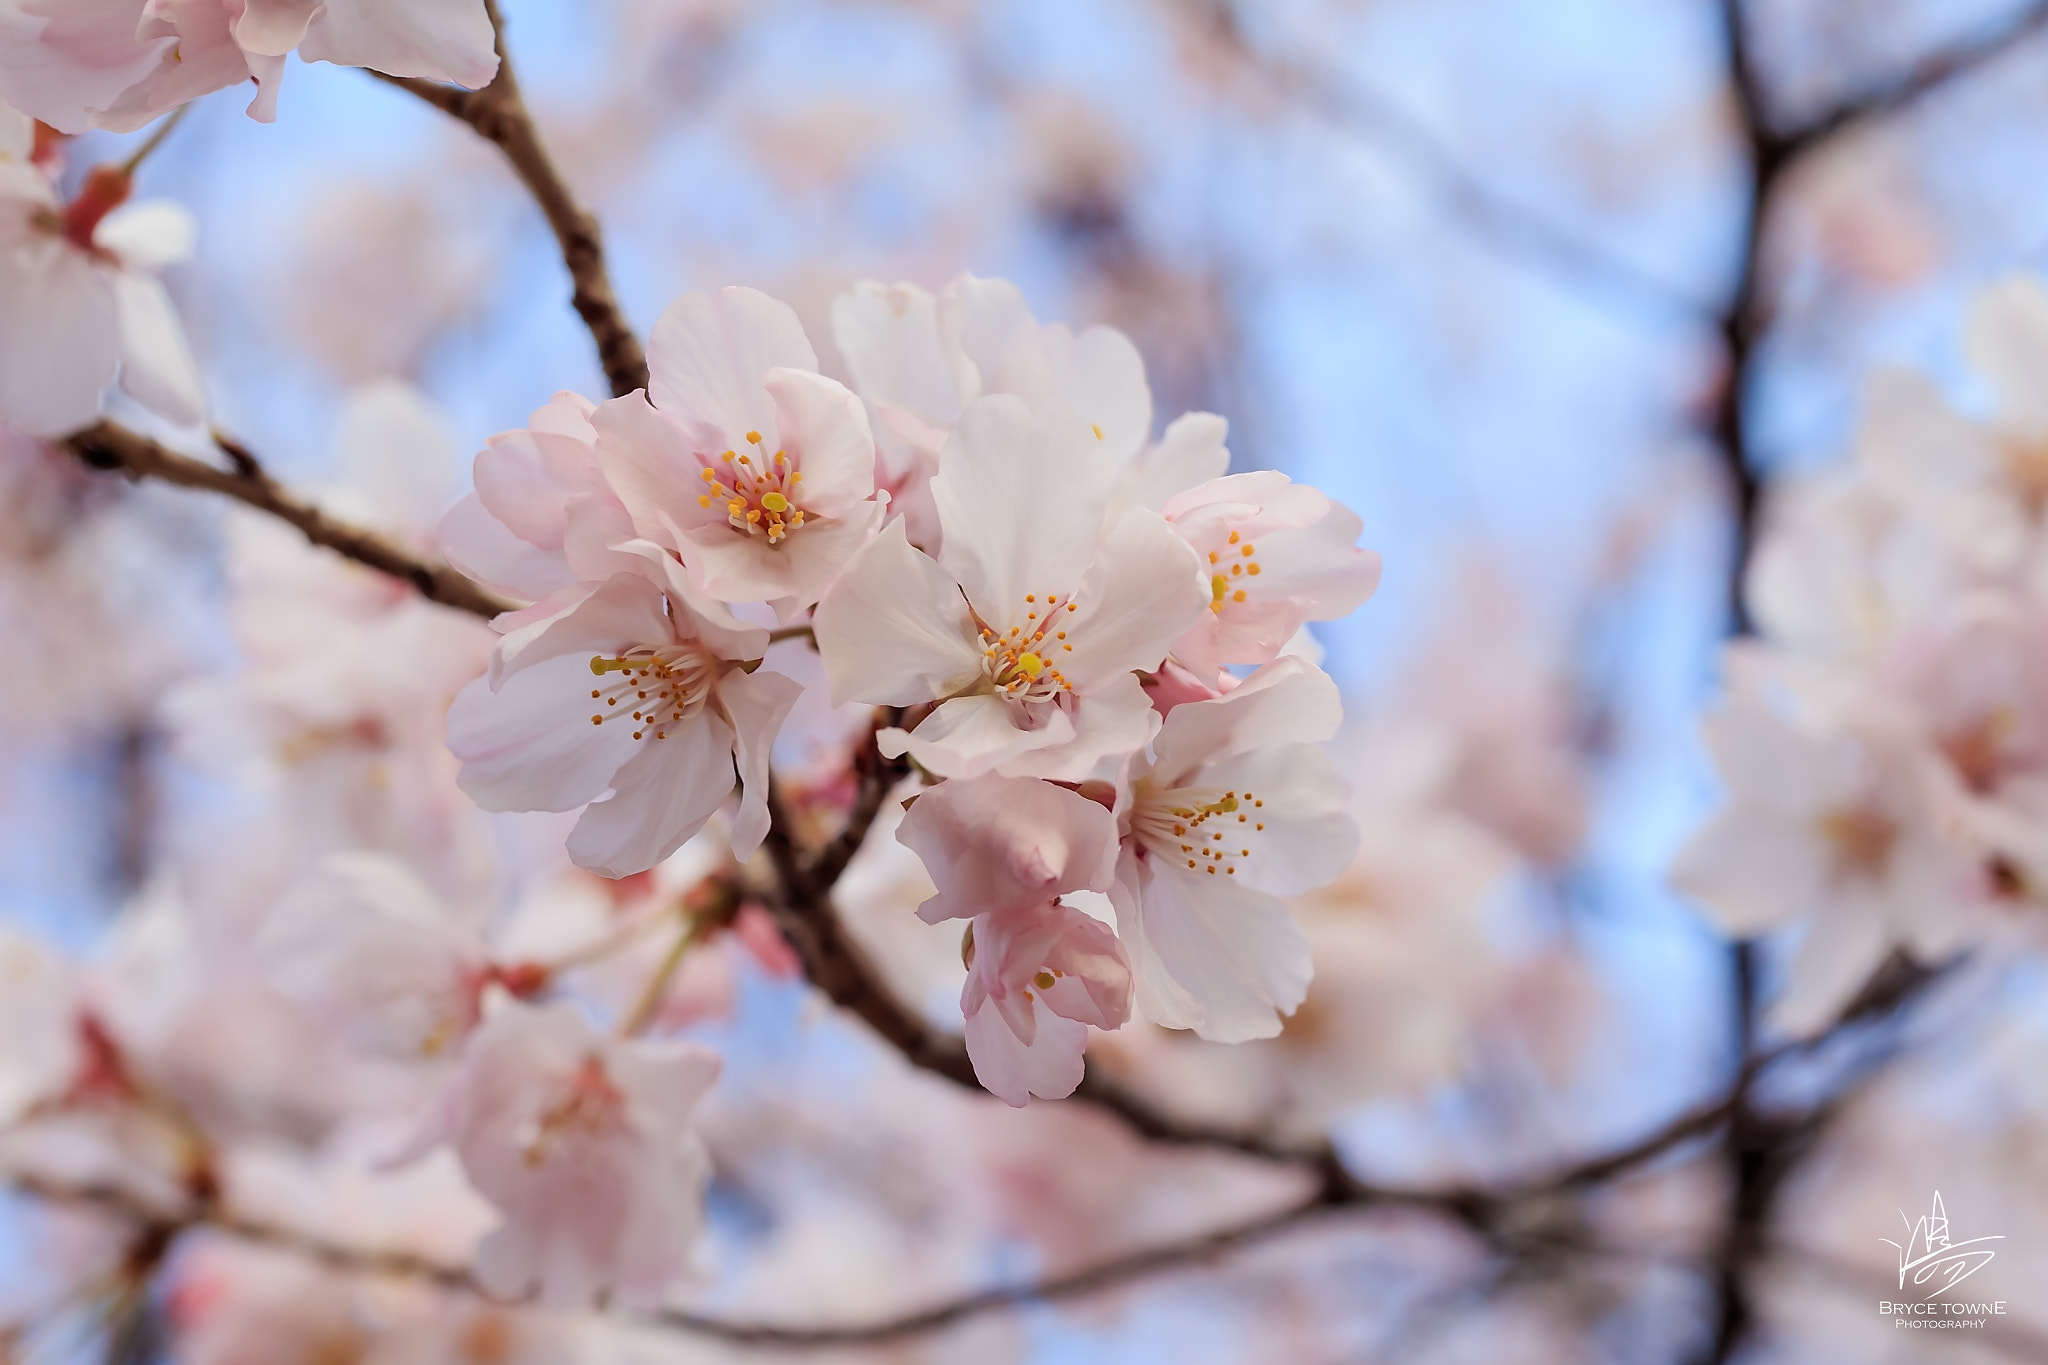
<point>1466,265</point>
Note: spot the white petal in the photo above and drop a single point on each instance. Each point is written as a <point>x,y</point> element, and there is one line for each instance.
<point>825,429</point>
<point>1020,498</point>
<point>530,745</point>
<point>1752,871</point>
<point>157,368</point>
<point>1288,701</point>
<point>894,630</point>
<point>1191,453</point>
<point>969,736</point>
<point>60,338</point>
<point>148,234</point>
<point>1143,592</point>
<point>889,338</point>
<point>708,355</point>
<point>1237,951</point>
<point>436,40</point>
<point>756,704</point>
<point>661,798</point>
<point>1049,1066</point>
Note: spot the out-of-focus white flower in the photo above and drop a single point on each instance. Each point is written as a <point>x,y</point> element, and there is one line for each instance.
<point>1001,851</point>
<point>1030,626</point>
<point>373,953</point>
<point>80,302</point>
<point>919,360</point>
<point>754,469</point>
<point>582,1141</point>
<point>339,708</point>
<point>117,64</point>
<point>635,693</point>
<point>1234,807</point>
<point>1832,823</point>
<point>1277,554</point>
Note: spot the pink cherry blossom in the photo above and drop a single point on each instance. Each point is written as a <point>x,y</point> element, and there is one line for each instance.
<point>582,1142</point>
<point>117,64</point>
<point>1004,843</point>
<point>750,466</point>
<point>1235,807</point>
<point>1030,627</point>
<point>1276,554</point>
<point>1037,978</point>
<point>1001,851</point>
<point>542,518</point>
<point>634,693</point>
<point>80,304</point>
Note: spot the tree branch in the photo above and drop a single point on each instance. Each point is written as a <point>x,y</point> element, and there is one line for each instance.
<point>499,114</point>
<point>109,446</point>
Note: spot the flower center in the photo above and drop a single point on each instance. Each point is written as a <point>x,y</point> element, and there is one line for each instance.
<point>1021,663</point>
<point>759,491</point>
<point>1202,827</point>
<point>659,687</point>
<point>1862,839</point>
<point>591,1108</point>
<point>1230,564</point>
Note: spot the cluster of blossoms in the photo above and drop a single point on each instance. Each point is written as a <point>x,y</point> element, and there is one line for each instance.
<point>1085,633</point>
<point>1884,740</point>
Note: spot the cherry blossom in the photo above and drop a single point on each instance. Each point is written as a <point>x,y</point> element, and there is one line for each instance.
<point>542,520</point>
<point>1234,808</point>
<point>754,469</point>
<point>80,302</point>
<point>1832,823</point>
<point>1277,554</point>
<point>634,693</point>
<point>1001,851</point>
<point>919,359</point>
<point>374,953</point>
<point>1029,628</point>
<point>582,1141</point>
<point>117,64</point>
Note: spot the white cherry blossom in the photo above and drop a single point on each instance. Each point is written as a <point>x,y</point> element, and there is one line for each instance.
<point>754,469</point>
<point>583,1143</point>
<point>635,693</point>
<point>1029,628</point>
<point>919,359</point>
<point>375,954</point>
<point>1831,824</point>
<point>1235,807</point>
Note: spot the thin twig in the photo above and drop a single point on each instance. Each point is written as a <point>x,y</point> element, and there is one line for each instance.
<point>499,114</point>
<point>109,446</point>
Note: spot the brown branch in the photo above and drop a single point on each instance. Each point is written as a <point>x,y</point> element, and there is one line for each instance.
<point>109,446</point>
<point>499,114</point>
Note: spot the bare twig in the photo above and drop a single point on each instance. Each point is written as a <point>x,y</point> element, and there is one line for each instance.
<point>112,447</point>
<point>499,114</point>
